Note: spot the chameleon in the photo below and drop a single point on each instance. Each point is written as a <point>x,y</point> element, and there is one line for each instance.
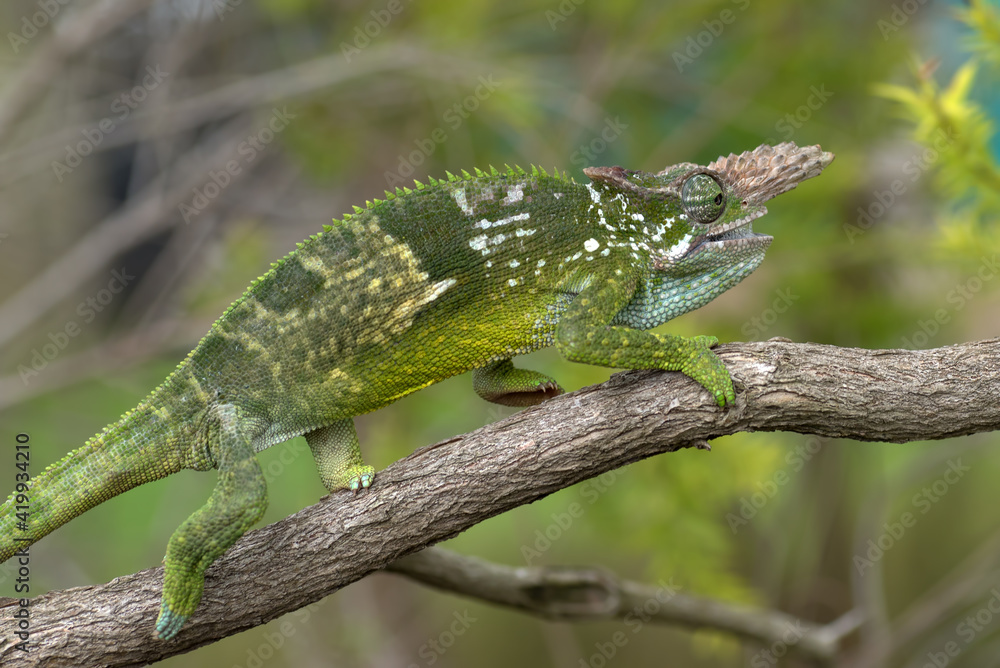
<point>458,274</point>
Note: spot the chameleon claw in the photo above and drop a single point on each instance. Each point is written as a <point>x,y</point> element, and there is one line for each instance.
<point>361,480</point>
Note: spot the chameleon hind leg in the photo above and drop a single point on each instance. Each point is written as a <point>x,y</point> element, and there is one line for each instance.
<point>338,457</point>
<point>503,383</point>
<point>237,502</point>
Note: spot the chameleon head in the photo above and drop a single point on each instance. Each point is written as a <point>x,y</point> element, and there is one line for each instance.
<point>702,216</point>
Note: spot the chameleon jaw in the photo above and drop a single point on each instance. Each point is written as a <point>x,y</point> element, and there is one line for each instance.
<point>736,235</point>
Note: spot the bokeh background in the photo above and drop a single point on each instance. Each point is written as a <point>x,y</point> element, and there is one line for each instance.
<point>118,120</point>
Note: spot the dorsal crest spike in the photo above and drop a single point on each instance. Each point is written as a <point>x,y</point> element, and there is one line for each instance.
<point>420,186</point>
<point>451,177</point>
<point>468,176</point>
<point>358,209</point>
<point>478,172</point>
<point>329,228</point>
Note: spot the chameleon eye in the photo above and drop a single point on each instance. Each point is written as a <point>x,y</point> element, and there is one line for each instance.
<point>702,198</point>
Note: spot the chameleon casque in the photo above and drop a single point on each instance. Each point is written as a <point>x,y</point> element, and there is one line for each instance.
<point>459,274</point>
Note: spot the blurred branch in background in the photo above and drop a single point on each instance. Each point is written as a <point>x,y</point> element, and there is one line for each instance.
<point>591,594</point>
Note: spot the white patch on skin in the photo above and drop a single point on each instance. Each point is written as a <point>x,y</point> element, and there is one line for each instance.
<point>440,287</point>
<point>670,222</point>
<point>489,263</point>
<point>678,250</point>
<point>485,224</point>
<point>557,195</point>
<point>606,252</point>
<point>479,244</point>
<point>590,245</point>
<point>521,232</point>
<point>461,201</point>
<point>514,194</point>
<point>638,216</point>
<point>594,195</point>
<point>514,264</point>
<point>498,239</point>
<point>512,282</point>
<point>576,256</point>
<point>541,263</point>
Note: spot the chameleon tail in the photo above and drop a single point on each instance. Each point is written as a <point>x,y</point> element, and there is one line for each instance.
<point>139,448</point>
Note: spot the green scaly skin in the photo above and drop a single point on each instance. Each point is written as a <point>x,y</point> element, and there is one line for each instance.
<point>457,275</point>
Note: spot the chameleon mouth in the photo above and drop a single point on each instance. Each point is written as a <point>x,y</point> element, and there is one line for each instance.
<point>738,234</point>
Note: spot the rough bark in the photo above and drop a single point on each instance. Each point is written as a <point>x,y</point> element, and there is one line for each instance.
<point>871,395</point>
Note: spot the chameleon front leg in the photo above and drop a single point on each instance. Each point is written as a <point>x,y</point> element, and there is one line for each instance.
<point>503,383</point>
<point>338,457</point>
<point>237,503</point>
<point>584,334</point>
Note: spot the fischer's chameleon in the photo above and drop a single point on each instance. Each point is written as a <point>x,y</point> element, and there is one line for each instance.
<point>459,274</point>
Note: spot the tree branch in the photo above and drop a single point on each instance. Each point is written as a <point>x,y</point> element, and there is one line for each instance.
<point>593,594</point>
<point>443,489</point>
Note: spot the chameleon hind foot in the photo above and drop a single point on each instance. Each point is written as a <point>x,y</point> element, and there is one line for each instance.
<point>503,383</point>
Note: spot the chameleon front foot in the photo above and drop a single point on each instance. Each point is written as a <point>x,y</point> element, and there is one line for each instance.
<point>704,367</point>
